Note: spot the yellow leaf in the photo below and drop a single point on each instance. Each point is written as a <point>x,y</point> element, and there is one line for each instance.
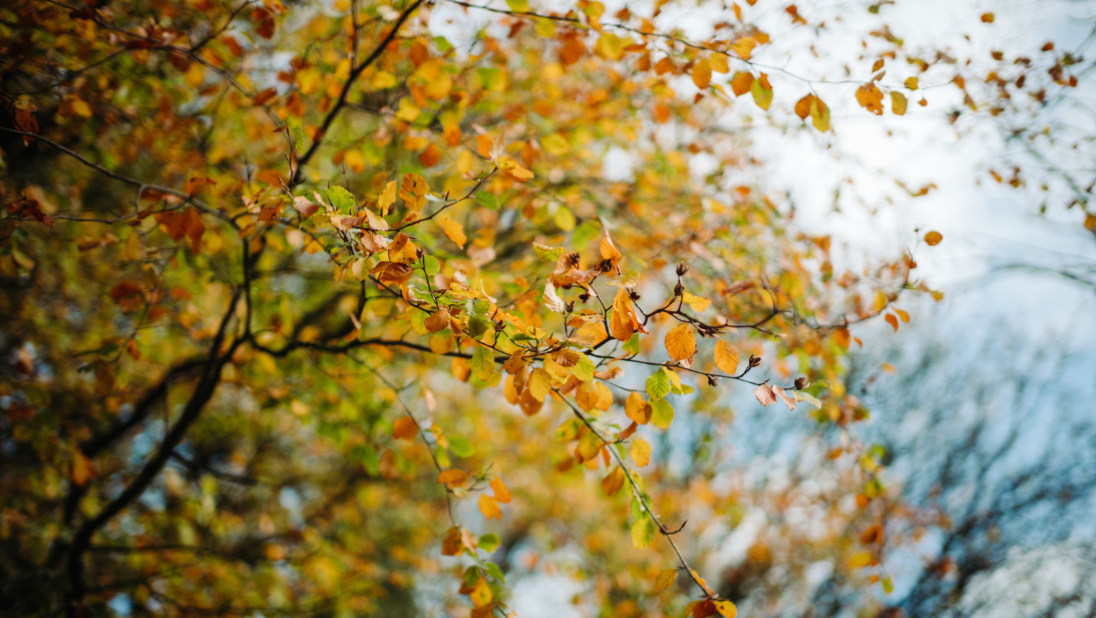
<point>355,161</point>
<point>912,83</point>
<point>933,238</point>
<point>454,231</point>
<point>641,452</point>
<point>718,62</point>
<point>702,73</point>
<point>489,507</point>
<point>408,112</point>
<point>665,579</point>
<point>540,383</point>
<point>637,409</point>
<point>726,357</point>
<point>820,115</point>
<point>860,560</point>
<point>195,74</point>
<point>725,609</point>
<point>681,342</point>
<point>133,247</point>
<point>744,47</point>
<point>388,197</point>
<point>404,428</point>
<point>555,144</point>
<point>80,108</point>
<point>698,303</point>
<point>898,103</point>
<point>613,481</point>
<point>480,594</point>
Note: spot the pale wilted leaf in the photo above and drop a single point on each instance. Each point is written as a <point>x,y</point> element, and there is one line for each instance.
<point>764,394</point>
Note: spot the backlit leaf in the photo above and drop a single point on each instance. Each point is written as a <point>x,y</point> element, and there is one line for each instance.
<point>640,452</point>
<point>681,342</point>
<point>644,531</point>
<point>489,507</point>
<point>726,357</point>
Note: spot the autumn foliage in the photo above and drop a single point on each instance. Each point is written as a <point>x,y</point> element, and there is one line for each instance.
<point>310,306</point>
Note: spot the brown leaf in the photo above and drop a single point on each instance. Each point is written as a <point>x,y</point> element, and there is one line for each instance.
<point>788,401</point>
<point>764,394</point>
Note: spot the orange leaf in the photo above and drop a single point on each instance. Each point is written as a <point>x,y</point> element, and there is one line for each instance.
<point>892,320</point>
<point>681,342</point>
<point>453,477</point>
<point>726,357</point>
<point>841,336</point>
<point>454,231</point>
<point>502,492</point>
<point>489,507</point>
<point>638,410</point>
<point>613,481</point>
<point>451,545</point>
<point>741,83</point>
<point>933,238</point>
<point>870,97</point>
<point>702,73</point>
<point>404,428</point>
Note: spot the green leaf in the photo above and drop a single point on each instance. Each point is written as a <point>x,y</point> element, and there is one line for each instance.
<point>461,447</point>
<point>493,569</point>
<point>662,413</point>
<point>491,78</point>
<point>431,266</point>
<point>761,95</point>
<point>584,369</point>
<point>632,345</point>
<point>658,385</point>
<point>477,326</point>
<point>483,363</point>
<point>643,532</point>
<point>568,430</point>
<point>442,44</point>
<point>487,200</point>
<point>370,459</point>
<point>522,6</point>
<point>584,233</point>
<point>471,576</point>
<point>341,199</point>
<point>547,254</point>
<point>489,542</point>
